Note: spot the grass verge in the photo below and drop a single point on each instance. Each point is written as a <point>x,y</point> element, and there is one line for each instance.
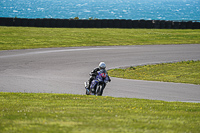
<point>32,37</point>
<point>180,72</point>
<point>37,112</point>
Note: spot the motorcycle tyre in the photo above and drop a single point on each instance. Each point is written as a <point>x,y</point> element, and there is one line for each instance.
<point>99,91</point>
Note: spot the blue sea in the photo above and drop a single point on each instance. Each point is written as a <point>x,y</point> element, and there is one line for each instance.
<point>102,9</point>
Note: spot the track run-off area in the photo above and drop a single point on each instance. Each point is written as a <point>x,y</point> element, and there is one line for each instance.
<point>64,70</point>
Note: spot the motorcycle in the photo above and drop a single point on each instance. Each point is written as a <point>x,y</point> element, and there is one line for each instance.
<point>98,84</point>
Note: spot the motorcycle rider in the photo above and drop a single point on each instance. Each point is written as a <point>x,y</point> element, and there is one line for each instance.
<point>94,73</point>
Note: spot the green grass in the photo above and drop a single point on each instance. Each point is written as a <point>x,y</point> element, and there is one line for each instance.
<point>30,112</point>
<point>32,37</point>
<point>37,112</point>
<point>180,72</point>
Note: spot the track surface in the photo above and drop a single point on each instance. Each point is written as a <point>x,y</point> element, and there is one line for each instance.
<point>63,70</point>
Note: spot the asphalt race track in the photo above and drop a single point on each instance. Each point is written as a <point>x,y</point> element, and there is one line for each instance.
<point>63,70</point>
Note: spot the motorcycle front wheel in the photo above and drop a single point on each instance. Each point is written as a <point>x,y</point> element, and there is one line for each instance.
<point>99,91</point>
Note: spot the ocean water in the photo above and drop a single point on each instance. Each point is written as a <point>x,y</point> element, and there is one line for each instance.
<point>102,9</point>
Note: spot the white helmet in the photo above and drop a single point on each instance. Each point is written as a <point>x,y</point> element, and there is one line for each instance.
<point>102,65</point>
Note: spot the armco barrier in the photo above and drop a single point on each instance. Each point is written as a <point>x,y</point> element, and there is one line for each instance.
<point>99,23</point>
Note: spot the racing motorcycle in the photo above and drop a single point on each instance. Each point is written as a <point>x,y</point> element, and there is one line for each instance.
<point>97,85</point>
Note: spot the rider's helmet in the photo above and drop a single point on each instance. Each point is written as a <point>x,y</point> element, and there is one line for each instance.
<point>102,65</point>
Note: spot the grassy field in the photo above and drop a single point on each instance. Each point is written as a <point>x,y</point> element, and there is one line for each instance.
<point>60,113</point>
<point>180,72</point>
<point>65,113</point>
<point>31,37</point>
